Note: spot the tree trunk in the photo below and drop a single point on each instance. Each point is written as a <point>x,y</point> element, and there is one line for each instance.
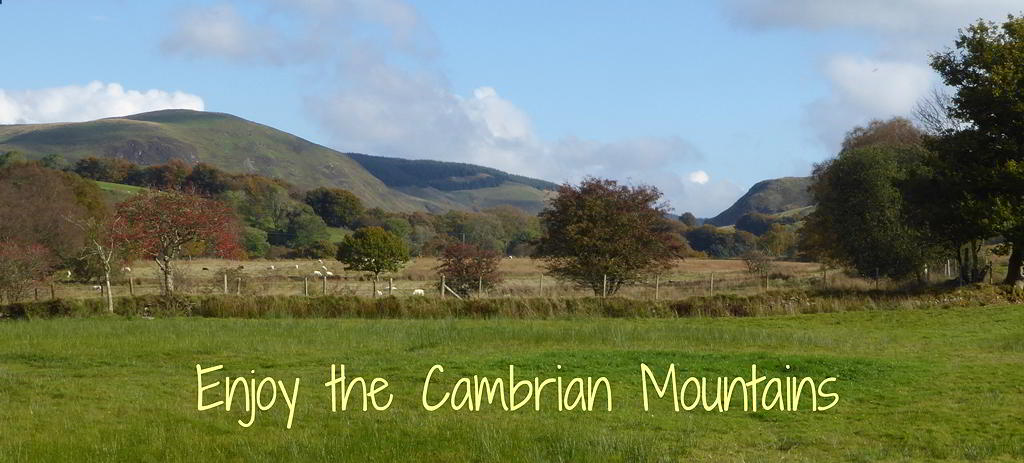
<point>110,297</point>
<point>1016,261</point>
<point>168,276</point>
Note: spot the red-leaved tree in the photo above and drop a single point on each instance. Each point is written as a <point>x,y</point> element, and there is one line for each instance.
<point>159,224</point>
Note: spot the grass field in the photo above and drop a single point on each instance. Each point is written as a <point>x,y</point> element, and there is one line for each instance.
<point>934,384</point>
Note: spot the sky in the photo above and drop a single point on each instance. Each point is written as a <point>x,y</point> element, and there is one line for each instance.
<point>699,98</point>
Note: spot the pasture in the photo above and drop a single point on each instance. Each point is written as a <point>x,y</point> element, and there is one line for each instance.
<point>914,384</point>
<point>523,277</point>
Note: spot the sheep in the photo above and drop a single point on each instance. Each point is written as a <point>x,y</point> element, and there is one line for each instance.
<point>69,274</point>
<point>126,269</point>
<point>317,273</point>
<point>97,287</point>
<point>329,274</point>
<point>324,267</point>
<point>271,268</point>
<point>321,261</point>
<point>380,293</point>
<point>417,292</point>
<point>296,266</point>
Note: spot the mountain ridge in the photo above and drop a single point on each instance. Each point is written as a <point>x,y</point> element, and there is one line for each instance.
<point>242,146</point>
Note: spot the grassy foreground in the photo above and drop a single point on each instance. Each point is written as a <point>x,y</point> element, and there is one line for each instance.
<point>914,385</point>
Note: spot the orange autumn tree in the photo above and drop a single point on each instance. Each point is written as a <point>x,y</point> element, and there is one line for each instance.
<point>158,225</point>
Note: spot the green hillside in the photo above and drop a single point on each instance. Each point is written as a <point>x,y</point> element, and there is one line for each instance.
<point>240,146</point>
<point>768,197</point>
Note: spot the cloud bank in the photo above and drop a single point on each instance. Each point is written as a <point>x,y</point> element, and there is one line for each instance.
<point>376,87</point>
<point>76,103</point>
<point>882,84</point>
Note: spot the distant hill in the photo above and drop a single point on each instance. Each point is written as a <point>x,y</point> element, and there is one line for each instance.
<point>237,145</point>
<point>768,197</point>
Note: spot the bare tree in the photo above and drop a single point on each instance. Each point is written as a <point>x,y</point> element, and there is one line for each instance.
<point>933,113</point>
<point>102,244</point>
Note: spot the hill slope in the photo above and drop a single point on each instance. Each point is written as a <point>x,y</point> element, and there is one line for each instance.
<point>237,145</point>
<point>768,197</point>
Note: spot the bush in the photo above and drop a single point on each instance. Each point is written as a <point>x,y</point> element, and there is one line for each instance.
<point>467,267</point>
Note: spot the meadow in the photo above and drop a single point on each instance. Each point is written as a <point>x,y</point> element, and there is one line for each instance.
<point>522,277</point>
<point>914,385</point>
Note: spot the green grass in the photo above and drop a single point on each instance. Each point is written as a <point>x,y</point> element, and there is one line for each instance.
<point>914,385</point>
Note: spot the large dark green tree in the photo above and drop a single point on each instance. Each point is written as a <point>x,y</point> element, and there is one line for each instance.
<point>339,208</point>
<point>600,228</point>
<point>982,160</point>
<point>862,219</point>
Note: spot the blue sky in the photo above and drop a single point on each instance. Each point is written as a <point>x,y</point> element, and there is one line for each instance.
<point>699,98</point>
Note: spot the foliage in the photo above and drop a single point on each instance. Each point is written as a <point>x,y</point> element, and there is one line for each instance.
<point>601,229</point>
<point>159,225</point>
<point>468,268</point>
<point>445,176</point>
<point>862,219</point>
<point>719,243</point>
<point>373,250</point>
<point>36,204</point>
<point>255,243</point>
<point>338,208</point>
<point>981,160</point>
<point>21,267</point>
<point>688,219</point>
<point>758,262</point>
<point>755,223</point>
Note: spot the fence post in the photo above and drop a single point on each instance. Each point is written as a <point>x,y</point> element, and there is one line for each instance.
<point>53,293</point>
<point>657,286</point>
<point>604,289</point>
<point>480,286</point>
<point>305,286</point>
<point>540,284</point>
<point>712,287</point>
<point>442,286</point>
<point>37,293</point>
<point>225,282</point>
<point>391,285</point>
<point>324,286</point>
<point>131,286</point>
<point>238,286</point>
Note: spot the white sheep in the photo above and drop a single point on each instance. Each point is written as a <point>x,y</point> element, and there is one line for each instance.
<point>296,266</point>
<point>69,274</point>
<point>126,269</point>
<point>329,274</point>
<point>317,273</point>
<point>323,267</point>
<point>417,292</point>
<point>380,293</point>
<point>321,261</point>
<point>272,268</point>
<point>97,287</point>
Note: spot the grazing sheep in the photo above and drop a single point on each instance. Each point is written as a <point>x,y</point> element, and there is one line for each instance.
<point>97,287</point>
<point>296,266</point>
<point>417,292</point>
<point>126,269</point>
<point>69,274</point>
<point>323,267</point>
<point>380,293</point>
<point>272,268</point>
<point>321,261</point>
<point>329,274</point>
<point>317,273</point>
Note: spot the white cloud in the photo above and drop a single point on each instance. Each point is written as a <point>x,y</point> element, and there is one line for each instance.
<point>76,103</point>
<point>699,177</point>
<point>886,82</point>
<point>384,94</point>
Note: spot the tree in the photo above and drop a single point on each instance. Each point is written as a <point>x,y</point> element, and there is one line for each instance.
<point>373,250</point>
<point>21,266</point>
<point>468,268</point>
<point>338,208</point>
<point>35,203</point>
<point>160,224</point>
<point>755,222</point>
<point>689,219</point>
<point>103,244</point>
<point>601,229</point>
<point>984,157</point>
<point>862,219</point>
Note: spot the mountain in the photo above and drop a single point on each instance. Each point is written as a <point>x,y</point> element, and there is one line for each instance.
<point>241,146</point>
<point>768,197</point>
